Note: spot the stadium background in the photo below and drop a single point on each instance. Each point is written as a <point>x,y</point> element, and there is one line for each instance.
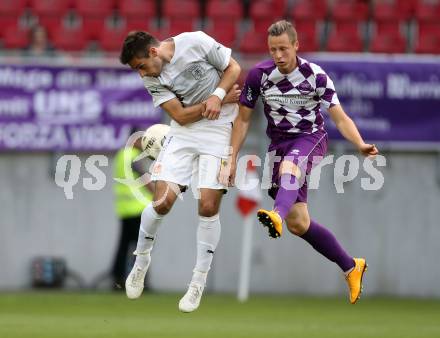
<point>396,228</point>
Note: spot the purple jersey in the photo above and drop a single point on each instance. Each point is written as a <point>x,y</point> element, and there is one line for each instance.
<point>291,101</point>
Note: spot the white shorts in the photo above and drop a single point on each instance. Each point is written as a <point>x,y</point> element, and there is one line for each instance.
<point>193,155</point>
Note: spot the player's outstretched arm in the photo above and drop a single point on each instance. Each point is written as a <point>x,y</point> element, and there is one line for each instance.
<point>183,115</point>
<point>229,77</point>
<point>349,130</point>
<point>239,132</point>
<point>240,129</point>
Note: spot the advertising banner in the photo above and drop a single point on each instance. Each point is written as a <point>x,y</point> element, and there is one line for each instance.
<point>392,100</point>
<point>71,108</point>
<point>92,108</point>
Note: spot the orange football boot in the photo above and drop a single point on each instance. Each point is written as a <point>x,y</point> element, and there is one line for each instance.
<point>271,220</point>
<point>354,279</point>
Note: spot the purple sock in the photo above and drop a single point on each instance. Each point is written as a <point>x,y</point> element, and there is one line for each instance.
<point>323,241</point>
<point>287,195</point>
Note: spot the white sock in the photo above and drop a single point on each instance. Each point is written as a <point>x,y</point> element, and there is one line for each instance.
<point>208,236</point>
<point>199,277</point>
<point>150,221</point>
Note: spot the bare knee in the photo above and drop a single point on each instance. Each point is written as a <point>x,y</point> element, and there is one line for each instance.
<point>165,195</point>
<point>208,208</point>
<point>164,206</point>
<point>298,224</point>
<point>290,168</point>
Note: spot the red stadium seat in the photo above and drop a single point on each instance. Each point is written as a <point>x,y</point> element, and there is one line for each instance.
<point>175,26</point>
<point>188,9</point>
<point>386,10</point>
<point>309,9</point>
<point>388,37</point>
<point>307,35</point>
<point>350,10</point>
<point>345,36</point>
<point>346,27</point>
<point>179,16</point>
<point>308,42</point>
<point>93,14</point>
<point>305,26</point>
<point>158,34</point>
<point>137,8</point>
<point>345,43</point>
<point>389,25</point>
<point>50,13</point>
<point>388,44</point>
<point>49,7</point>
<point>428,38</point>
<point>133,23</point>
<point>137,14</point>
<point>92,26</point>
<point>111,38</point>
<point>9,22</point>
<point>224,31</point>
<point>264,12</point>
<point>224,9</point>
<point>262,25</point>
<point>254,43</point>
<point>12,7</point>
<point>264,8</point>
<point>95,8</point>
<point>10,12</point>
<point>427,10</point>
<point>67,39</point>
<point>307,15</point>
<point>50,22</point>
<point>15,37</point>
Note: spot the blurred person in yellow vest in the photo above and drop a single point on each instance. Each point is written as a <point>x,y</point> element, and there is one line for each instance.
<point>128,206</point>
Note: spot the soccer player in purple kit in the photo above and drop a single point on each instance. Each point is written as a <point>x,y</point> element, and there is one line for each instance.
<point>292,90</point>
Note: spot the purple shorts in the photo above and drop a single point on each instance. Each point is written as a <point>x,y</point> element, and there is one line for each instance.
<point>306,151</point>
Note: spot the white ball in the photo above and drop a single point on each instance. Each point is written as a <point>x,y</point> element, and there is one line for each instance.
<point>153,139</point>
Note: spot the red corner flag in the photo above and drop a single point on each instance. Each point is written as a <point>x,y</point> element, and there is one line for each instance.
<point>248,199</point>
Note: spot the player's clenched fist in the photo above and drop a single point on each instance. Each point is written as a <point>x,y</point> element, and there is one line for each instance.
<point>368,149</point>
<point>233,95</point>
<point>227,172</point>
<point>213,105</point>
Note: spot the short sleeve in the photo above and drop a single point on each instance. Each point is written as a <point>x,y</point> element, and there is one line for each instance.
<point>251,89</point>
<point>326,89</point>
<point>159,93</point>
<point>214,52</point>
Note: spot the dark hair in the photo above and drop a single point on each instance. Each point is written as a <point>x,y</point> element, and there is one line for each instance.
<point>283,26</point>
<point>137,44</point>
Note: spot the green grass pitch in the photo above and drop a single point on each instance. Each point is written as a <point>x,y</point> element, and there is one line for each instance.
<point>65,315</point>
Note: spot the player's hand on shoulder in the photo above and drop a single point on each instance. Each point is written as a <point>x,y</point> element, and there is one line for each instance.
<point>233,95</point>
<point>368,149</point>
<point>213,105</point>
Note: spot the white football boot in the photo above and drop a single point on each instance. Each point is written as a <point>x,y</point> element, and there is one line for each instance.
<point>191,300</point>
<point>134,284</point>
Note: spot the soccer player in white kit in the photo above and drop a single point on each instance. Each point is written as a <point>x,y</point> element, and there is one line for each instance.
<point>191,77</point>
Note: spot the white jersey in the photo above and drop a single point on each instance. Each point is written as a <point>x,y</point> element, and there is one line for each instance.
<point>192,75</point>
